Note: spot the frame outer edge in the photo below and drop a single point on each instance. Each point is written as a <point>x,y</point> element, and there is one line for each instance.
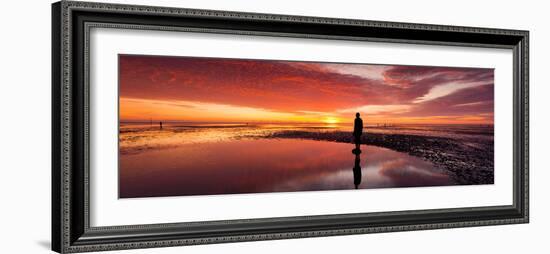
<point>66,120</point>
<point>174,11</point>
<point>56,128</point>
<point>66,107</point>
<point>526,113</point>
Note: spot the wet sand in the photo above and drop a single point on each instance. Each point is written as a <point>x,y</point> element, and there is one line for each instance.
<point>467,161</point>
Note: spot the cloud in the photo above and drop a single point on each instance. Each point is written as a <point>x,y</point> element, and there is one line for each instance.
<point>325,88</point>
<point>374,72</point>
<point>472,100</point>
<point>378,109</point>
<point>276,85</point>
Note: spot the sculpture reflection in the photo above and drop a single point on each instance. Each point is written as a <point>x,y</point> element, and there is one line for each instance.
<point>357,168</point>
<point>357,132</point>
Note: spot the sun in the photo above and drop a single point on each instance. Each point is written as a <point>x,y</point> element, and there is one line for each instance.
<point>330,120</point>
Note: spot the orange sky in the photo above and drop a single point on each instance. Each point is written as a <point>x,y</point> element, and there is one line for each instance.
<point>238,90</point>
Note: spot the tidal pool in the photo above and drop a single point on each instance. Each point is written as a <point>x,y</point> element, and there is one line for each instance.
<point>259,165</point>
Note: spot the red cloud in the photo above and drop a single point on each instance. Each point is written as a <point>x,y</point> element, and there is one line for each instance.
<point>286,86</point>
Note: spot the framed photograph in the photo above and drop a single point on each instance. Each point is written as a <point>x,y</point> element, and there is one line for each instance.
<point>181,126</point>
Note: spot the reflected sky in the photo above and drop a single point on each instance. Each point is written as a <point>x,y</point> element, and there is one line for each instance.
<point>234,166</point>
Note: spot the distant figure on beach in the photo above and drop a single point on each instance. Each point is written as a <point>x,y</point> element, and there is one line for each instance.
<point>357,129</point>
<point>160,123</point>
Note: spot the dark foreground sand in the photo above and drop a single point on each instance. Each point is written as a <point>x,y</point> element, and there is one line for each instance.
<point>466,161</point>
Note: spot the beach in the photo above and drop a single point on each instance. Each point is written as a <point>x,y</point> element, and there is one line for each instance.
<point>180,159</point>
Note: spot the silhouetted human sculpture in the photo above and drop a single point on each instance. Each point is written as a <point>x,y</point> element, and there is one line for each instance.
<point>357,129</point>
<point>357,168</point>
<point>160,123</point>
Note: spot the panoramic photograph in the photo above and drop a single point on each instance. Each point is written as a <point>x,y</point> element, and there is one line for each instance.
<point>208,126</point>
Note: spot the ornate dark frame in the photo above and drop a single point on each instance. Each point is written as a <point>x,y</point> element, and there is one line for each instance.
<point>71,22</point>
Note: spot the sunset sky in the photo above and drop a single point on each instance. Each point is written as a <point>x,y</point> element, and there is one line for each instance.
<point>237,90</point>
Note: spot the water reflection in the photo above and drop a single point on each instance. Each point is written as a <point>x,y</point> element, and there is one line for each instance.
<point>357,167</point>
<point>268,165</point>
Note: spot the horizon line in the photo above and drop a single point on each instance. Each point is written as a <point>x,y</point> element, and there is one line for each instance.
<point>263,122</point>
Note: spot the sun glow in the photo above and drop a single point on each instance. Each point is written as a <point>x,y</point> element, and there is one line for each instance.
<point>331,120</point>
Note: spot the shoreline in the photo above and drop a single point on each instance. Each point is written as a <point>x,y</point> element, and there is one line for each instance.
<point>465,162</point>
